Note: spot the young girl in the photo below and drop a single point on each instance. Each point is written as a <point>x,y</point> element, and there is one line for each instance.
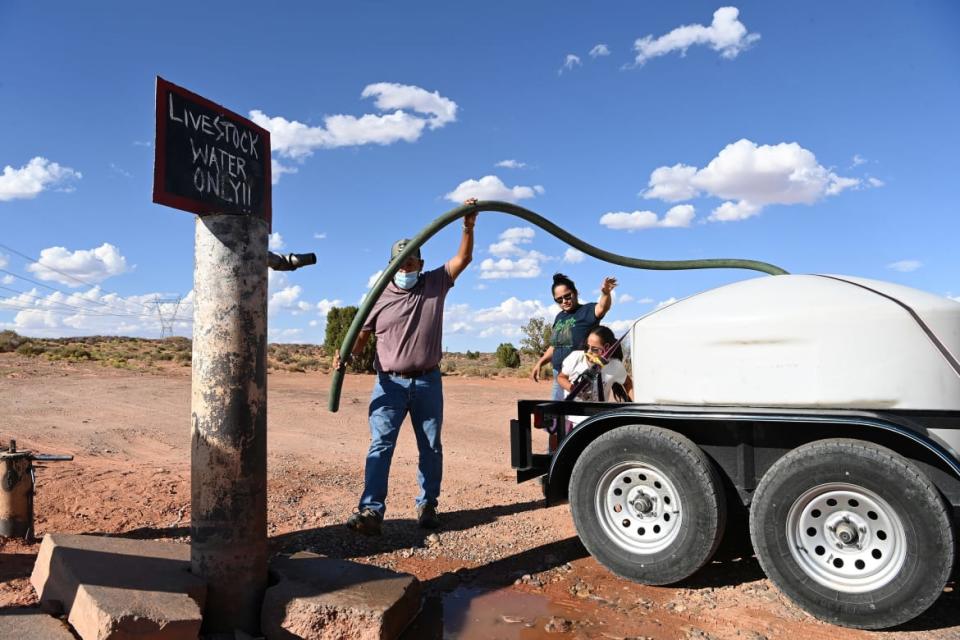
<point>612,373</point>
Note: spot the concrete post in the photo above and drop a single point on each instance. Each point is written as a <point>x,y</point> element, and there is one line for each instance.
<point>229,409</point>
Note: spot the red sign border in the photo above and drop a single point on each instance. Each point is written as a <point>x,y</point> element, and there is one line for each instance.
<point>164,87</point>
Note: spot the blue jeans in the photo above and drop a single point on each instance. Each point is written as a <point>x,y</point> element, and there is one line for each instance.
<point>392,398</point>
<point>556,391</point>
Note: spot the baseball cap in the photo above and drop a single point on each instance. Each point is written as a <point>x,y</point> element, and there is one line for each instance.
<point>399,246</point>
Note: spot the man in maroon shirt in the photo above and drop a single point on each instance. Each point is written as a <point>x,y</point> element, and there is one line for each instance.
<point>407,320</point>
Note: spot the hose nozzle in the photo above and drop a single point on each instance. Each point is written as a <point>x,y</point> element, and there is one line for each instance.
<point>290,261</point>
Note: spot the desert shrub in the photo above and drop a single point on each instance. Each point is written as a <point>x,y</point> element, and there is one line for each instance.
<point>11,341</point>
<point>473,355</point>
<point>184,357</point>
<point>72,352</point>
<point>31,349</point>
<point>338,322</point>
<point>508,356</point>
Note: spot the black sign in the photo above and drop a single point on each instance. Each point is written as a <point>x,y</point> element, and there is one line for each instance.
<point>209,159</point>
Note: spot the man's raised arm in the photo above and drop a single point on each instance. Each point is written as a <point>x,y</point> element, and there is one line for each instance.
<point>459,262</point>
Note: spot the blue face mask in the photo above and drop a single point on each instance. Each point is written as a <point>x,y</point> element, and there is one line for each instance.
<point>406,279</point>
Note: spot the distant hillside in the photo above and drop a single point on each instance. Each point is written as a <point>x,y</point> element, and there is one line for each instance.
<point>146,354</point>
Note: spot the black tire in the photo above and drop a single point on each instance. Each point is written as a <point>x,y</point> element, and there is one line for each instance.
<point>898,548</point>
<point>672,506</point>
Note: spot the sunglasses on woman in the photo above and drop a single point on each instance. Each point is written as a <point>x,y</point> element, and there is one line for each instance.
<point>567,297</point>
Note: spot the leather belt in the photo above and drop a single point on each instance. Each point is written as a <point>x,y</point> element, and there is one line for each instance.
<point>411,374</point>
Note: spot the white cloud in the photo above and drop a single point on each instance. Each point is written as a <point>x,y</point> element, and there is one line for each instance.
<point>515,261</point>
<point>623,298</point>
<point>7,279</point>
<point>569,63</point>
<point>726,35</point>
<point>120,171</point>
<point>143,143</point>
<point>665,303</point>
<point>286,298</point>
<point>509,241</point>
<point>373,278</point>
<point>277,169</point>
<point>672,184</point>
<point>320,236</point>
<point>513,309</point>
<point>875,182</point>
<point>599,50</point>
<point>678,216</point>
<point>76,268</point>
<point>285,335</point>
<point>619,326</point>
<point>503,320</point>
<point>731,211</point>
<point>276,241</point>
<point>857,160</point>
<point>4,260</point>
<point>491,188</point>
<point>324,306</point>
<point>506,268</point>
<point>749,177</point>
<point>645,301</point>
<point>408,110</point>
<point>573,256</point>
<point>93,312</point>
<point>36,176</point>
<point>511,164</point>
<point>905,266</point>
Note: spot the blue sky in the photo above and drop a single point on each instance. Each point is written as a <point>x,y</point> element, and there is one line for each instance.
<point>819,137</point>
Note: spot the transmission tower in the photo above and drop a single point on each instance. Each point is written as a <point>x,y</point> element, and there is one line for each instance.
<point>167,316</point>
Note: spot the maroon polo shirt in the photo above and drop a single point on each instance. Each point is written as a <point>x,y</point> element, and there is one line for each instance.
<point>408,324</point>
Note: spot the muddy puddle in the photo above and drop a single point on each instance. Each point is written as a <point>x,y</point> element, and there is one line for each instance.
<point>478,614</point>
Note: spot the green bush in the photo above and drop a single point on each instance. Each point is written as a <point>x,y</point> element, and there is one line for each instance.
<point>536,339</point>
<point>30,349</point>
<point>11,341</point>
<point>508,356</point>
<point>338,322</point>
<point>473,355</point>
<point>72,353</point>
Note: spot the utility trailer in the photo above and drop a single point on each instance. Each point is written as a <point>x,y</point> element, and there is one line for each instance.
<point>817,417</point>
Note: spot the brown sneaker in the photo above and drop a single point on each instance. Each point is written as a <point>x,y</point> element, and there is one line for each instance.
<point>427,517</point>
<point>366,522</point>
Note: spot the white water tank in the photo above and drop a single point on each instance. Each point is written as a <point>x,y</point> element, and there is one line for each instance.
<point>801,341</point>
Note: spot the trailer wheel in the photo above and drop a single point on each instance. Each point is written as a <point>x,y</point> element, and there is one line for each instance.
<point>853,532</point>
<point>647,503</point>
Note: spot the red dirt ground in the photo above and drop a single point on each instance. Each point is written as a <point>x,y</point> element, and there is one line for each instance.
<point>502,566</point>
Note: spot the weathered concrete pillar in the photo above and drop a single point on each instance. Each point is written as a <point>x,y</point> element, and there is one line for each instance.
<point>229,433</point>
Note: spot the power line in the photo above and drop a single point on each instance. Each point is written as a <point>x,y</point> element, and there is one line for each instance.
<point>63,312</point>
<point>46,286</point>
<point>70,306</point>
<point>67,275</point>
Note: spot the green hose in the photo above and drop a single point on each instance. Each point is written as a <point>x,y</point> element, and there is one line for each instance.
<point>505,207</point>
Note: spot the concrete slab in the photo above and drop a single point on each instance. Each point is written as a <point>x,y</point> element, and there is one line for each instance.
<point>33,624</point>
<point>318,598</point>
<point>115,589</point>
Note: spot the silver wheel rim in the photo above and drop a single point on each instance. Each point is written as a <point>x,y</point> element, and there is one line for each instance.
<point>846,537</point>
<point>638,508</point>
